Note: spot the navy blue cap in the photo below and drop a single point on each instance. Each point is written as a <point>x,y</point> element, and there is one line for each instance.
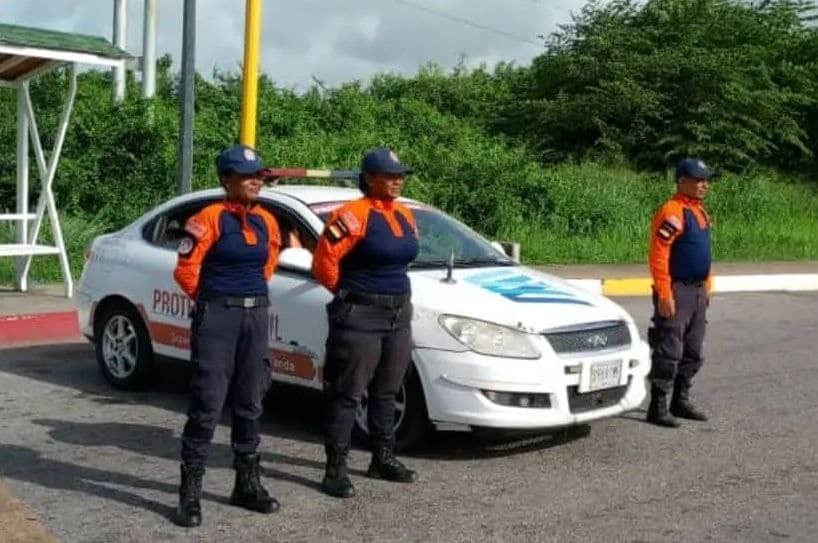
<point>693,167</point>
<point>241,159</point>
<point>383,160</point>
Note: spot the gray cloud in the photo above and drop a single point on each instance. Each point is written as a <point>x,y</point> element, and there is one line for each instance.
<point>332,40</point>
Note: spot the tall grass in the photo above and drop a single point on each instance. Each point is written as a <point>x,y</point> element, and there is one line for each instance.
<point>578,213</point>
<point>78,233</point>
<point>603,214</point>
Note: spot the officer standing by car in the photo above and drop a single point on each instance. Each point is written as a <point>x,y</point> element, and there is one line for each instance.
<point>680,261</point>
<point>229,253</point>
<point>363,257</point>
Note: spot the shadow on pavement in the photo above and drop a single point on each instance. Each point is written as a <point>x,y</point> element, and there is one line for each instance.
<point>162,443</point>
<point>25,464</point>
<point>455,446</point>
<point>290,413</point>
<point>74,366</point>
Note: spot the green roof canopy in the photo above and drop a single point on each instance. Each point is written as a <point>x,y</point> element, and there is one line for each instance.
<point>26,51</point>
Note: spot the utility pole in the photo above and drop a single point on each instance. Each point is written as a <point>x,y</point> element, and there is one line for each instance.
<point>249,97</point>
<point>187,97</point>
<point>120,39</point>
<point>149,50</point>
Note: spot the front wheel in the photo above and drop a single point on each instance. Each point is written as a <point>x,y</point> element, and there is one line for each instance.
<point>411,419</point>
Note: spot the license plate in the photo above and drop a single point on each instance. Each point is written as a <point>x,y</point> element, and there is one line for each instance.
<point>605,375</point>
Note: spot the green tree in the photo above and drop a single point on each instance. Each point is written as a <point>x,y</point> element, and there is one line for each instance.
<point>733,81</point>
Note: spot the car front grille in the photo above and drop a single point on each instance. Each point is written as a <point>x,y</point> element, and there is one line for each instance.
<point>580,403</point>
<point>590,338</point>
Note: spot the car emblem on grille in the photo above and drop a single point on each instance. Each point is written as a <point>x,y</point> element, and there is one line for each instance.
<point>597,340</point>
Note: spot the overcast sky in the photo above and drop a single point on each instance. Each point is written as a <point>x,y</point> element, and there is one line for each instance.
<point>332,40</point>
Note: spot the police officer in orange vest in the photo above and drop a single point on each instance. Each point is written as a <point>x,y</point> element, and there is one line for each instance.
<point>224,264</point>
<point>363,257</point>
<point>680,260</point>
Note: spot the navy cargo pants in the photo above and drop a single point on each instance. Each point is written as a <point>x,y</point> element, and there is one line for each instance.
<point>677,342</point>
<point>368,349</point>
<point>230,360</point>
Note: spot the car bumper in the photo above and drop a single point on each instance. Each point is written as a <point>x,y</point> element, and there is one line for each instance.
<point>85,303</point>
<point>454,385</point>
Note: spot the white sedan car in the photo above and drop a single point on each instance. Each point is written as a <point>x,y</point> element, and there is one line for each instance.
<point>497,346</point>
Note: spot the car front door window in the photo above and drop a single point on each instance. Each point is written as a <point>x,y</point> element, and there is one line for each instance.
<point>167,229</point>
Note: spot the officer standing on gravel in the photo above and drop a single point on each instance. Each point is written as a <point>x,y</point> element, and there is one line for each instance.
<point>680,260</point>
<point>362,257</point>
<point>225,261</point>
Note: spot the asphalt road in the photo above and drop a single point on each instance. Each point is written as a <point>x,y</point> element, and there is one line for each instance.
<point>101,465</point>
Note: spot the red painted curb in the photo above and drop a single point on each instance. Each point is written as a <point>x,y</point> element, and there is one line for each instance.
<point>38,328</point>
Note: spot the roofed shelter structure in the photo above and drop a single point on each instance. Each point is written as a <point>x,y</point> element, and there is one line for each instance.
<point>26,53</point>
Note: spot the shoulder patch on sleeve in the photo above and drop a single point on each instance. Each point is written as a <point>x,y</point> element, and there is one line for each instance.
<point>671,224</point>
<point>674,221</point>
<point>351,222</point>
<point>669,228</point>
<point>186,246</point>
<point>336,231</point>
<point>196,228</point>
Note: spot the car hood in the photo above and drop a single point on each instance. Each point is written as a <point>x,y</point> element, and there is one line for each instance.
<point>517,297</point>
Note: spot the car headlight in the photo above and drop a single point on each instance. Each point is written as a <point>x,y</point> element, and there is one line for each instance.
<point>489,339</point>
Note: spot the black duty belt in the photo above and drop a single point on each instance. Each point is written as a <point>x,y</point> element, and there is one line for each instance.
<point>246,302</point>
<point>690,282</point>
<point>381,300</point>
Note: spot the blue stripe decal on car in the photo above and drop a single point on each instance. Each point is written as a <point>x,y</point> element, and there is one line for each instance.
<point>522,288</point>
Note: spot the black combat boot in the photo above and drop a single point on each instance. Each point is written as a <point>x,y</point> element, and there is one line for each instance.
<point>189,511</point>
<point>384,465</point>
<point>336,482</point>
<point>657,410</point>
<point>248,492</point>
<point>680,405</point>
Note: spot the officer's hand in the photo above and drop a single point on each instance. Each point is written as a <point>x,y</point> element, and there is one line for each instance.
<point>667,308</point>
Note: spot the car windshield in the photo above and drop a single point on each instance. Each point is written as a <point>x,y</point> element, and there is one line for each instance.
<point>441,238</point>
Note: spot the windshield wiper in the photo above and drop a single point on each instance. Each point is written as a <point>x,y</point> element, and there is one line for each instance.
<point>429,264</point>
<point>476,262</point>
<point>462,263</point>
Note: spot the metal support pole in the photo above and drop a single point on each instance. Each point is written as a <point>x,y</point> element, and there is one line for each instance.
<point>252,46</point>
<point>21,281</point>
<point>149,50</point>
<point>47,171</point>
<point>187,97</point>
<point>120,39</point>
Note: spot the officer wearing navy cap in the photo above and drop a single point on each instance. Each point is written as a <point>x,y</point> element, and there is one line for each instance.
<point>225,262</point>
<point>363,257</point>
<point>680,264</point>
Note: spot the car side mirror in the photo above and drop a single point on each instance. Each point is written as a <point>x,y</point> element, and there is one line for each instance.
<point>509,248</point>
<point>296,259</point>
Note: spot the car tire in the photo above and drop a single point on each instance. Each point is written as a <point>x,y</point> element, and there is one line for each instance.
<point>413,426</point>
<point>123,347</point>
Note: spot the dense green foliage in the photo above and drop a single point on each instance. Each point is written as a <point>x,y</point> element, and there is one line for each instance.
<point>568,156</point>
<point>734,81</point>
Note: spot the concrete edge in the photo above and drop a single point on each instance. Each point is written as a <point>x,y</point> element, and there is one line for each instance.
<point>32,328</point>
<point>641,286</point>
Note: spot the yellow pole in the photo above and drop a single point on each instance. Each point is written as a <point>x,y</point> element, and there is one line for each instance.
<point>249,98</point>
